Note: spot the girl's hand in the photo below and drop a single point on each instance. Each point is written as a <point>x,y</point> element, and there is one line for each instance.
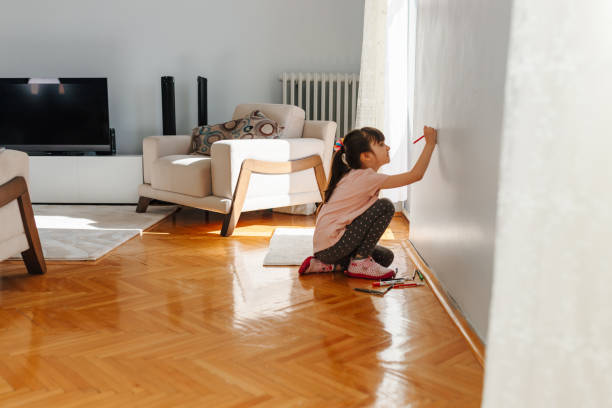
<point>431,135</point>
<point>418,171</point>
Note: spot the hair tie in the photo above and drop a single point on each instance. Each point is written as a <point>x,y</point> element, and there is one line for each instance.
<point>343,157</point>
<point>339,145</point>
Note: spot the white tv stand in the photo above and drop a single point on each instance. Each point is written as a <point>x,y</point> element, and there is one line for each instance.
<point>85,179</point>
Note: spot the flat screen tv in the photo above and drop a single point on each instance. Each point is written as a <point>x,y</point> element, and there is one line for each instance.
<point>54,115</point>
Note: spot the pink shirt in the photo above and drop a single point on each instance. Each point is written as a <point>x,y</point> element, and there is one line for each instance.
<point>355,192</point>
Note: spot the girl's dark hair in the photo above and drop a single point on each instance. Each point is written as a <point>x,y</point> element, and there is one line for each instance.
<point>357,141</point>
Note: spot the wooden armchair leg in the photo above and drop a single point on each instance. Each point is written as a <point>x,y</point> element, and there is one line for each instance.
<point>231,219</point>
<point>32,257</point>
<point>34,262</point>
<point>226,231</point>
<point>17,189</point>
<point>143,204</point>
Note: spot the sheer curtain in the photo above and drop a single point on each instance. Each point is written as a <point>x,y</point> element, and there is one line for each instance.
<point>386,82</point>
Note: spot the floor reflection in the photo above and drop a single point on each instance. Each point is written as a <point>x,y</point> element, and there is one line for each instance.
<point>179,310</point>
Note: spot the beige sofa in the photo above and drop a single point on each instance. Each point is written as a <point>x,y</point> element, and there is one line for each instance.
<point>242,175</point>
<point>18,233</point>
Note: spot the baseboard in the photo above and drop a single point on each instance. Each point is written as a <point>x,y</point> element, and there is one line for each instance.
<point>454,313</point>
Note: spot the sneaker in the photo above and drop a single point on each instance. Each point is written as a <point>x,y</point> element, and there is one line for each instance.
<point>367,268</point>
<point>313,265</point>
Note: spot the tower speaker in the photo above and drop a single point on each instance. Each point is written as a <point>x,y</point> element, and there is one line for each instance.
<point>202,101</point>
<point>168,112</point>
<point>113,143</point>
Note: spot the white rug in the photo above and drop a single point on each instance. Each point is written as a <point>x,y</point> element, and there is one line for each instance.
<point>289,246</point>
<point>86,232</point>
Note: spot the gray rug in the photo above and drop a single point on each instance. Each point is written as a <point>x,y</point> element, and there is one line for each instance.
<point>289,246</point>
<point>87,232</point>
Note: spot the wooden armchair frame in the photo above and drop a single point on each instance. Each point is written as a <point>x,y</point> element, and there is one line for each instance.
<point>267,167</point>
<point>17,189</point>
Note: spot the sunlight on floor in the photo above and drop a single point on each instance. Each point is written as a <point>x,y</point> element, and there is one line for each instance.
<point>73,223</point>
<point>388,234</point>
<point>255,230</point>
<point>268,230</point>
<point>259,292</point>
<point>63,222</point>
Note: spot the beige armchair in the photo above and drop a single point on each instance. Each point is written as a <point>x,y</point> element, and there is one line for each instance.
<point>242,175</point>
<point>18,232</point>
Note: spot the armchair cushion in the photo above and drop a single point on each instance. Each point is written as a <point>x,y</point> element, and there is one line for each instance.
<point>290,117</point>
<point>154,147</point>
<point>255,125</point>
<point>183,174</point>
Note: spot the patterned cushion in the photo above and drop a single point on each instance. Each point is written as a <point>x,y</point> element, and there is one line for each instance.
<point>254,126</point>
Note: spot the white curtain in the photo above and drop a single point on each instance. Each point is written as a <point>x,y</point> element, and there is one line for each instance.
<point>386,86</point>
<point>550,330</point>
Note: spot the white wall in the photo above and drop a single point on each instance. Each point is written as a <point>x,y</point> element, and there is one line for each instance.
<point>551,310</point>
<point>460,74</point>
<point>241,46</point>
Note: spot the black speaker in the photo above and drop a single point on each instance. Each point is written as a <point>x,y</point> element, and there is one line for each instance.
<point>113,142</point>
<point>202,101</point>
<point>168,112</point>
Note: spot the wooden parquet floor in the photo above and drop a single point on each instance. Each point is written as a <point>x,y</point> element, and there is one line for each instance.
<point>181,317</point>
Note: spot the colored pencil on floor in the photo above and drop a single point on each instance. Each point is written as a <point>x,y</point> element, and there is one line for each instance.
<point>407,285</point>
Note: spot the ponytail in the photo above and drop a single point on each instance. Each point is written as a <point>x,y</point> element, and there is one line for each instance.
<point>339,168</point>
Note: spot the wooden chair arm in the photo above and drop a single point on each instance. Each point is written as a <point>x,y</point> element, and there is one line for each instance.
<point>17,189</point>
<point>266,167</point>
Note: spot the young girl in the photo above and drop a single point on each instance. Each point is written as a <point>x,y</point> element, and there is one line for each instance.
<point>352,218</point>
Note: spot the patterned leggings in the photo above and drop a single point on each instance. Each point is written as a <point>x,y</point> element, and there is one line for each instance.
<point>361,237</point>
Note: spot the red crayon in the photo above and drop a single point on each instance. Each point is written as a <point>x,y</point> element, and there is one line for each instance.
<point>418,139</point>
<point>388,282</point>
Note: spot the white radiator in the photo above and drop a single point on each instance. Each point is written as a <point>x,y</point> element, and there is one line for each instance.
<point>324,96</point>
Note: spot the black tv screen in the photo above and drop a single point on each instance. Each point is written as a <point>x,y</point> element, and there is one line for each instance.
<point>54,115</point>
